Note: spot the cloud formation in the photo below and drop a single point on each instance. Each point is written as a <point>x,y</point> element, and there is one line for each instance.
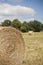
<point>11,11</point>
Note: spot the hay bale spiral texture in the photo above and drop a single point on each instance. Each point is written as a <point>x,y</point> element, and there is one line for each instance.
<point>11,46</point>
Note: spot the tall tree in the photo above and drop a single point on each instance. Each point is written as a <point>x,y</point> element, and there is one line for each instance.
<point>16,23</point>
<point>35,25</point>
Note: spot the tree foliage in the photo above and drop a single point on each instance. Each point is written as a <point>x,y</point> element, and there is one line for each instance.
<point>42,27</point>
<point>6,23</point>
<point>35,25</point>
<point>16,23</point>
<point>23,28</point>
<point>25,24</point>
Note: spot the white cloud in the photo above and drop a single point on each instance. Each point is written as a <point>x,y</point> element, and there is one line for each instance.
<point>8,11</point>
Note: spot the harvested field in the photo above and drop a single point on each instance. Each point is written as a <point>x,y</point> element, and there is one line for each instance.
<point>11,46</point>
<point>34,48</point>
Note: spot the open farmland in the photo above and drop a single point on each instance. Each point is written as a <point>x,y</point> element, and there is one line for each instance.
<point>34,48</point>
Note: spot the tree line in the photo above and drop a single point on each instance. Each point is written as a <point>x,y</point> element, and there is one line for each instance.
<point>35,25</point>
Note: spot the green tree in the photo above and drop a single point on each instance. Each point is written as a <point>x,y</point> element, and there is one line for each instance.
<point>23,28</point>
<point>30,26</point>
<point>16,23</point>
<point>35,25</point>
<point>25,24</point>
<point>42,27</point>
<point>6,23</point>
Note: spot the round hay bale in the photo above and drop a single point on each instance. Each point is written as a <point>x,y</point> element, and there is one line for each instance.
<point>30,32</point>
<point>11,46</point>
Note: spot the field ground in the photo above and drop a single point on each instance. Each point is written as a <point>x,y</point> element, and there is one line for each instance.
<point>34,48</point>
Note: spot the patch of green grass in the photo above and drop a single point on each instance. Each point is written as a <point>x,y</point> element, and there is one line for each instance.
<point>34,48</point>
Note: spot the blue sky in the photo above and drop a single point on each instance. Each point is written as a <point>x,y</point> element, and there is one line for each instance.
<point>21,9</point>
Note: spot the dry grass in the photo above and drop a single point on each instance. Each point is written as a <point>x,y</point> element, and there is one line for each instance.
<point>34,48</point>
